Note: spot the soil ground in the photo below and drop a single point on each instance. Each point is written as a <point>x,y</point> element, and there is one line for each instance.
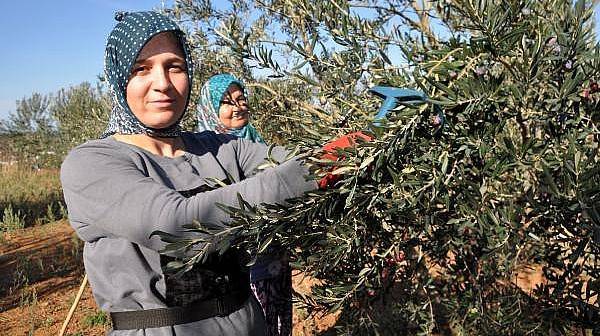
<point>41,272</point>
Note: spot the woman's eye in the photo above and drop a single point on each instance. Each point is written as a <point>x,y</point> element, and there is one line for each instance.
<point>177,68</point>
<point>139,70</point>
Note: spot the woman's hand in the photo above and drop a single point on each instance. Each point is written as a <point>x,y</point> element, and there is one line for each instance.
<point>330,149</point>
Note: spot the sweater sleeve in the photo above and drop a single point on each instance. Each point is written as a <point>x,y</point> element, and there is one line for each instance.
<point>251,155</point>
<point>107,195</point>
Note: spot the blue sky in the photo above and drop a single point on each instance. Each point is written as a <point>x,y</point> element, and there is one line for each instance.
<point>48,45</point>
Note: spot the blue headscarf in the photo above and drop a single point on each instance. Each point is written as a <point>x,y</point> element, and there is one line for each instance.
<point>124,44</point>
<point>211,95</point>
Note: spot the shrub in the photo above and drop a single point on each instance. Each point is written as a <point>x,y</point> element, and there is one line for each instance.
<point>34,196</point>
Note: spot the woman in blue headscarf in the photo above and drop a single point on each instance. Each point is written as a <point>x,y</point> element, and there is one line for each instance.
<point>145,175</point>
<point>223,108</point>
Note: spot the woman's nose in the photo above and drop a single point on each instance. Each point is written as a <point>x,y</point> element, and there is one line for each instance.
<point>161,80</point>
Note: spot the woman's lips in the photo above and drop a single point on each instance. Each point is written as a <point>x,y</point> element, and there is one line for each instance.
<point>162,103</point>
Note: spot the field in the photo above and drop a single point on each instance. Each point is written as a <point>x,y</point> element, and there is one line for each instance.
<point>29,197</point>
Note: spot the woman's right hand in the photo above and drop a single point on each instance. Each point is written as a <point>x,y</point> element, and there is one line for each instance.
<point>330,149</point>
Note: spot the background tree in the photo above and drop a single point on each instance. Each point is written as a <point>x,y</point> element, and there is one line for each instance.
<point>81,113</point>
<point>29,127</point>
<point>45,127</point>
<point>31,115</point>
<point>433,221</point>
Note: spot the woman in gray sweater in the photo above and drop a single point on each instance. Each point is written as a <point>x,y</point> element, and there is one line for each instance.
<point>145,174</point>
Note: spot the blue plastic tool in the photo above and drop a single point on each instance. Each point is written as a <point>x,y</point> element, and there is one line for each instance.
<point>392,96</point>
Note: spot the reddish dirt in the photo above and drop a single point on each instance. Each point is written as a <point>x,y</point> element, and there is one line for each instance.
<point>42,270</point>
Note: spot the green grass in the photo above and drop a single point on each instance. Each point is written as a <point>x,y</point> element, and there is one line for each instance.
<point>99,318</point>
<point>11,220</point>
<point>29,197</point>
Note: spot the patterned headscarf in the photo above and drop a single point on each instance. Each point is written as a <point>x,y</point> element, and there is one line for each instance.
<point>124,44</point>
<point>211,95</point>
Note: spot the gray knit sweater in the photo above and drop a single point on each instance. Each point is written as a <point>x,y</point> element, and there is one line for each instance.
<point>118,194</point>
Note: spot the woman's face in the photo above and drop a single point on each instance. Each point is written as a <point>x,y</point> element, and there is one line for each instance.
<point>233,111</point>
<point>157,90</point>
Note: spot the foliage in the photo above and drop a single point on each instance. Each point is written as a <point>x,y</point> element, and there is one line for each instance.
<point>11,220</point>
<point>31,115</point>
<point>29,129</point>
<point>81,113</point>
<point>29,197</point>
<point>434,220</point>
<point>99,318</point>
<point>45,127</point>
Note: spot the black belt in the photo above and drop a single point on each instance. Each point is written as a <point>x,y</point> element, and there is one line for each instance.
<point>163,317</point>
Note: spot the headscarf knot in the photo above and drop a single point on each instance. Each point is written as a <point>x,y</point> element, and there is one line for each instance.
<point>120,15</point>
